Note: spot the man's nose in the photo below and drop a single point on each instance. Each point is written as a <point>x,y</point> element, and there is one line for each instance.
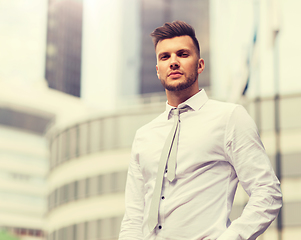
<point>174,63</point>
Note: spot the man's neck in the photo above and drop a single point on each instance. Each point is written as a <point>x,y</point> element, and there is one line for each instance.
<point>174,98</point>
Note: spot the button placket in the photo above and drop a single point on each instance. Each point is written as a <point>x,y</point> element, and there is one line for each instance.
<point>162,203</point>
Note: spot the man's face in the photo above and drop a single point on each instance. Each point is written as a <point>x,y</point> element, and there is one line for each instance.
<point>178,64</point>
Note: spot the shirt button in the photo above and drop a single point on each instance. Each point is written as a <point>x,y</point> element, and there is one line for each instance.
<point>160,227</point>
<point>163,197</point>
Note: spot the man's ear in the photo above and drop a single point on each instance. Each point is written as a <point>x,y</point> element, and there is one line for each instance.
<point>158,72</point>
<point>201,65</point>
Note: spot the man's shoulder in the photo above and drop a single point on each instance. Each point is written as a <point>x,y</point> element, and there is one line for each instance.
<point>227,111</point>
<point>220,106</point>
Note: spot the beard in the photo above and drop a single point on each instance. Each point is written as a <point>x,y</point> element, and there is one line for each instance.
<point>190,80</point>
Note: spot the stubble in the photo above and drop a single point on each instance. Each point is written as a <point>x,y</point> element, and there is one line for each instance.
<point>190,80</point>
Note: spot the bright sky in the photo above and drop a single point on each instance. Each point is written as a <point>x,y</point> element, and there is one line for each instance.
<point>22,40</point>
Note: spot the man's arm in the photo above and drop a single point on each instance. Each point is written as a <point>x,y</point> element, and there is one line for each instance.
<point>247,155</point>
<point>131,226</point>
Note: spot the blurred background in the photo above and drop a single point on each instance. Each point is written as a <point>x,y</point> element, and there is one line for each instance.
<point>78,78</point>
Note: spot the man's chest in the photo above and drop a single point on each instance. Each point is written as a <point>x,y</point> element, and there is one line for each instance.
<point>201,142</point>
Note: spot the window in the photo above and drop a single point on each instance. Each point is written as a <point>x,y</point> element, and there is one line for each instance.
<point>53,152</point>
<point>114,181</point>
<point>98,228</point>
<point>81,188</point>
<point>75,190</point>
<point>61,195</point>
<point>73,142</point>
<point>92,230</point>
<point>109,133</point>
<point>106,183</point>
<point>118,180</point>
<point>116,222</point>
<point>60,234</point>
<point>64,233</point>
<point>87,187</point>
<point>95,136</point>
<point>71,191</point>
<point>105,228</point>
<point>86,231</point>
<point>65,193</point>
<point>56,199</point>
<point>61,147</point>
<point>100,185</point>
<point>83,139</point>
<point>52,200</point>
<point>93,186</point>
<point>66,139</point>
<point>74,232</point>
<point>80,233</point>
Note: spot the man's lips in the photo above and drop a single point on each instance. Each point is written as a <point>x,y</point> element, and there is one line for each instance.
<point>175,74</point>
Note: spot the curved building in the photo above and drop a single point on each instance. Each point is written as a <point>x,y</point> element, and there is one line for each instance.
<point>89,161</point>
<point>88,167</point>
<point>26,112</point>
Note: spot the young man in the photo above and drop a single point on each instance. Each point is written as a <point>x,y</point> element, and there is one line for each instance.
<point>183,174</point>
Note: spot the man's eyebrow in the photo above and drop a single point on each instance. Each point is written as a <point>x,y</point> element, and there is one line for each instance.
<point>178,51</point>
<point>183,50</point>
<point>162,53</point>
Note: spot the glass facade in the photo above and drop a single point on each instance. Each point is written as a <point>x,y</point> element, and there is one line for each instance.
<point>97,229</point>
<point>88,187</point>
<point>95,135</point>
<point>155,13</point>
<point>76,144</point>
<point>64,44</point>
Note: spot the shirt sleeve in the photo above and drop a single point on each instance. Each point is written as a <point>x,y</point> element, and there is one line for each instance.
<point>131,225</point>
<point>247,155</point>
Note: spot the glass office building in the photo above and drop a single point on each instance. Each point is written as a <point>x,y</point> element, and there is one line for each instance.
<point>64,46</point>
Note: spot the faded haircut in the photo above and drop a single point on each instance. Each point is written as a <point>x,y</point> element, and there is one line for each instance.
<point>175,29</point>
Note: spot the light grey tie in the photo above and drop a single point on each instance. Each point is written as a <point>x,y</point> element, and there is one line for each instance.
<point>169,153</point>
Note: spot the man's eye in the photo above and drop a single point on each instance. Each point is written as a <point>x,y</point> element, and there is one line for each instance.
<point>183,54</point>
<point>164,57</point>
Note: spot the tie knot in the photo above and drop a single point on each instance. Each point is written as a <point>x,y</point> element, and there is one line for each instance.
<point>175,111</point>
<point>178,111</point>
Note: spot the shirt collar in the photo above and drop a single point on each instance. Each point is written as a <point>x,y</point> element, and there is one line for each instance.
<point>195,102</point>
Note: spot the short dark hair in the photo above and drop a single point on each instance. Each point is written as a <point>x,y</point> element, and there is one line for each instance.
<point>174,29</point>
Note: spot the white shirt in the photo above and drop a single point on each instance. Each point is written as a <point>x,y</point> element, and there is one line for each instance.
<point>218,146</point>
